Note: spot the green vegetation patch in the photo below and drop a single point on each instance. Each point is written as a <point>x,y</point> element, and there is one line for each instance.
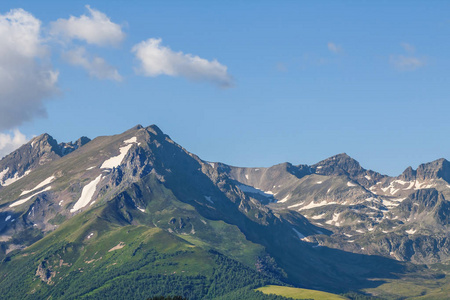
<point>297,293</point>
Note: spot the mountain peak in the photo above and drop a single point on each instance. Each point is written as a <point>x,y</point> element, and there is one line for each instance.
<point>408,175</point>
<point>42,137</point>
<point>342,155</point>
<point>439,168</point>
<point>82,141</point>
<point>44,143</point>
<point>341,158</point>
<point>38,151</point>
<point>154,129</point>
<point>340,164</point>
<point>66,148</point>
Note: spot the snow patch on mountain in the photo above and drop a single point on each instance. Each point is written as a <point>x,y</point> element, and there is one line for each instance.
<point>295,205</point>
<point>130,140</point>
<point>252,190</point>
<point>313,205</point>
<point>17,203</point>
<point>40,185</point>
<point>398,185</point>
<point>285,199</point>
<point>318,216</point>
<point>115,161</point>
<point>410,231</point>
<point>86,194</point>
<point>3,173</point>
<point>299,234</point>
<point>208,198</point>
<point>15,178</point>
<point>334,220</point>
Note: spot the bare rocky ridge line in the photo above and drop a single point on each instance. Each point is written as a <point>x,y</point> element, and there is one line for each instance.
<point>367,212</point>
<point>37,152</point>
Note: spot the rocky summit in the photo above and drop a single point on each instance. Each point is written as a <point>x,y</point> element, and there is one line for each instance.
<point>136,215</point>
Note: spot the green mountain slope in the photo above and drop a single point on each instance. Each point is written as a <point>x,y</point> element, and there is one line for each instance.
<point>97,255</point>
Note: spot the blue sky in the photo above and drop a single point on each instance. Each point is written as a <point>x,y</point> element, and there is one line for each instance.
<point>278,81</point>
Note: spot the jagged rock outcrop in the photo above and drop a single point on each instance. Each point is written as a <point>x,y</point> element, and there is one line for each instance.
<point>433,170</point>
<point>37,152</point>
<point>45,273</point>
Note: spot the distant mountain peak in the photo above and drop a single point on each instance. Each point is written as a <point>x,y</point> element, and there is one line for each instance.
<point>340,164</point>
<point>439,168</point>
<point>408,175</point>
<point>341,158</point>
<point>66,148</point>
<point>155,129</point>
<point>342,155</point>
<point>38,151</point>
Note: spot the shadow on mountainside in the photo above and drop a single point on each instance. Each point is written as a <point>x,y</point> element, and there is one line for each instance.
<point>306,264</point>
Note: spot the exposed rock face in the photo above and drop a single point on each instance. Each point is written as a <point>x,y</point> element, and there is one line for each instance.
<point>39,151</point>
<point>45,273</point>
<point>340,164</point>
<point>438,169</point>
<point>66,148</point>
<point>344,165</point>
<point>408,175</point>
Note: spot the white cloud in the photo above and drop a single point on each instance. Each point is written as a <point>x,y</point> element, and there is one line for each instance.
<point>95,29</point>
<point>26,76</point>
<point>156,60</point>
<point>95,66</point>
<point>409,62</point>
<point>334,48</point>
<point>10,142</point>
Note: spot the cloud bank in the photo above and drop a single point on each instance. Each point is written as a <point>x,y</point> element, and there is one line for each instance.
<point>156,60</point>
<point>26,75</point>
<point>28,79</point>
<point>95,29</point>
<point>10,142</point>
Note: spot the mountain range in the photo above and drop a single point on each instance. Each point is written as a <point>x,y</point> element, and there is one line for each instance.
<point>136,215</point>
